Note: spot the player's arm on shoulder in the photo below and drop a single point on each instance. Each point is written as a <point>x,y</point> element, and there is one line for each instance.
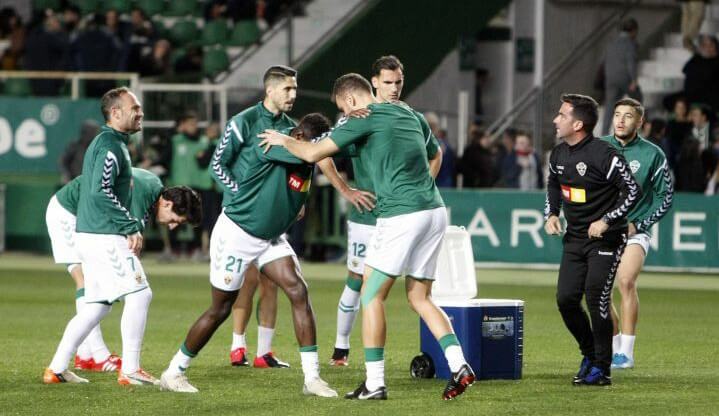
<point>307,151</point>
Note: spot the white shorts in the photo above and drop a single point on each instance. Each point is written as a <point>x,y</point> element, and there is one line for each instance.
<point>232,250</point>
<point>408,244</point>
<point>641,239</point>
<point>358,238</point>
<point>111,270</point>
<point>61,227</point>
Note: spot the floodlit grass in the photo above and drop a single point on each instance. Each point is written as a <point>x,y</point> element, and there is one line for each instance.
<point>675,373</point>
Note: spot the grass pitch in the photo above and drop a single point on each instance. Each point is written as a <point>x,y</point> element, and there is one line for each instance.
<point>676,351</point>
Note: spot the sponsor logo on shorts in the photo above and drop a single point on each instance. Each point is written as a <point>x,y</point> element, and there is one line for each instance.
<point>298,183</point>
<point>138,277</point>
<point>228,279</point>
<point>355,263</point>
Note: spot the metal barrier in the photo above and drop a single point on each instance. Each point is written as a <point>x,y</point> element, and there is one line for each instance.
<point>75,78</point>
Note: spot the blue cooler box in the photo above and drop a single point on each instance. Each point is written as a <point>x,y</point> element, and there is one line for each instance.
<point>491,332</point>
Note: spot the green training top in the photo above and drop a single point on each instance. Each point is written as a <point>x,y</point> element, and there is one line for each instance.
<point>225,166</point>
<point>363,182</point>
<point>184,169</point>
<point>146,190</point>
<point>105,186</point>
<point>391,147</point>
<point>267,195</point>
<point>649,167</point>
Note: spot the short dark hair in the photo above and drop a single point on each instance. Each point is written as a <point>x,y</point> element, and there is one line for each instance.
<point>278,73</point>
<point>185,202</point>
<point>657,129</point>
<point>704,109</point>
<point>629,25</point>
<point>187,115</point>
<point>314,125</point>
<point>584,109</point>
<point>389,62</point>
<point>350,82</point>
<point>631,102</point>
<point>110,99</point>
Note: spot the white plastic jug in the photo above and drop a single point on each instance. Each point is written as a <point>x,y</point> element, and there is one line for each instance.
<point>456,276</point>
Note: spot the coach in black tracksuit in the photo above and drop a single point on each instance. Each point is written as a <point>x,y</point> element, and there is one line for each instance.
<point>594,186</point>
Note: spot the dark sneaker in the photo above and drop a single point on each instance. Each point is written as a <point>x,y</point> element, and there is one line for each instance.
<point>361,393</point>
<point>269,361</point>
<point>340,357</point>
<point>595,377</point>
<point>459,382</point>
<point>584,367</point>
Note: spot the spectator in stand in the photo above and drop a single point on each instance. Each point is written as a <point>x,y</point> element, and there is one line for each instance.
<point>95,50</point>
<point>522,167</point>
<point>692,17</point>
<point>121,32</point>
<point>657,133</point>
<point>477,164</point>
<point>447,171</point>
<point>620,68</point>
<point>158,62</point>
<point>71,159</point>
<point>678,127</point>
<point>46,49</point>
<point>690,173</point>
<point>12,29</point>
<point>701,82</point>
<point>71,21</point>
<point>142,39</point>
<point>502,149</point>
<point>215,9</point>
<point>701,117</point>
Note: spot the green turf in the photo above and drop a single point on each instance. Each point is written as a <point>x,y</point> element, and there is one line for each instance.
<point>675,374</point>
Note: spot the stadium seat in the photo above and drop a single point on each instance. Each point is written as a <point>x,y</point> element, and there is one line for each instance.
<point>245,33</point>
<point>181,8</point>
<point>215,32</point>
<point>183,32</point>
<point>17,87</point>
<point>151,7</point>
<point>176,54</point>
<point>214,62</point>
<point>122,6</point>
<point>46,4</point>
<point>87,6</point>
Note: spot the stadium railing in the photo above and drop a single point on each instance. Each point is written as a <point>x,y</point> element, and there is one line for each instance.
<point>75,77</point>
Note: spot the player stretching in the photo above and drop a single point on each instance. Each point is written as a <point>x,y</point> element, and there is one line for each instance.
<point>411,223</point>
<point>649,167</point>
<point>387,79</point>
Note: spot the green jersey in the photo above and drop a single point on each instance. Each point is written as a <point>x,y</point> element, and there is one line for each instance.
<point>390,144</point>
<point>105,186</point>
<point>264,192</point>
<point>649,167</point>
<point>362,180</point>
<point>184,169</point>
<point>226,167</point>
<point>146,189</point>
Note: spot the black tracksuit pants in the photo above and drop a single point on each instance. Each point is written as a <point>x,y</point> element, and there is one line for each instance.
<point>588,268</point>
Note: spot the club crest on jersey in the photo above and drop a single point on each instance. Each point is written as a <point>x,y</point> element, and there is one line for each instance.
<point>634,166</point>
<point>581,168</point>
<point>299,184</point>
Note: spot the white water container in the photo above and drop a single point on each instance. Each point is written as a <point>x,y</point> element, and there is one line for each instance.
<point>456,276</point>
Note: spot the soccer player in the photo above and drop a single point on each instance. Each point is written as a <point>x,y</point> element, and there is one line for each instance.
<point>411,221</point>
<point>388,80</point>
<point>649,167</point>
<point>171,207</point>
<point>265,201</point>
<point>592,183</point>
<point>109,239</point>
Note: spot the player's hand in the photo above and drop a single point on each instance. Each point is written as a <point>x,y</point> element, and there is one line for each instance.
<point>361,199</point>
<point>272,138</point>
<point>632,230</point>
<point>597,228</point>
<point>134,243</point>
<point>359,113</point>
<point>553,226</point>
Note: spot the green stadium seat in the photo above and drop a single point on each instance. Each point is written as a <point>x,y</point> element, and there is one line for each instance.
<point>151,7</point>
<point>17,87</point>
<point>181,8</point>
<point>215,32</point>
<point>39,5</point>
<point>122,6</point>
<point>87,6</point>
<point>176,55</point>
<point>245,33</point>
<point>214,62</point>
<point>183,32</point>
